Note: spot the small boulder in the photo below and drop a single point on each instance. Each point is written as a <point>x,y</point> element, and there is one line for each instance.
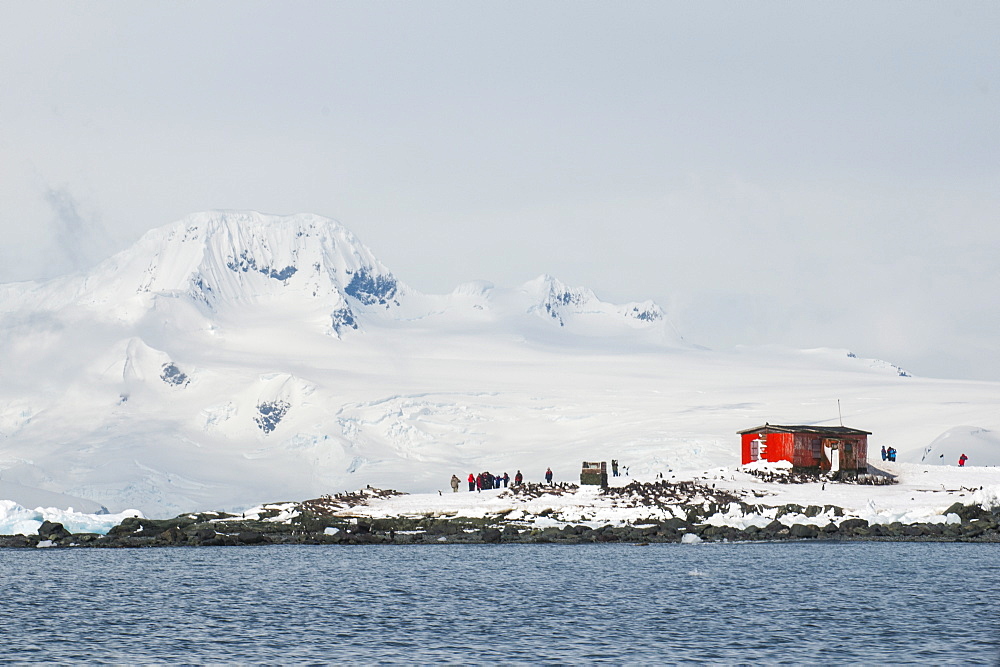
<point>490,535</point>
<point>972,530</point>
<point>801,530</point>
<point>773,528</point>
<point>52,531</point>
<point>849,525</point>
<point>675,524</point>
<point>967,512</point>
<point>510,533</point>
<point>172,535</point>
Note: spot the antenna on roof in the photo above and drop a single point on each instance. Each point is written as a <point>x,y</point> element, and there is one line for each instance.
<point>839,413</point>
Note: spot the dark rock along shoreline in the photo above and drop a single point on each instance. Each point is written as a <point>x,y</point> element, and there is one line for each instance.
<point>316,516</point>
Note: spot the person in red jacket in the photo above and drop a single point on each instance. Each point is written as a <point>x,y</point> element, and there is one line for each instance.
<point>472,482</point>
<point>518,478</point>
<point>961,460</point>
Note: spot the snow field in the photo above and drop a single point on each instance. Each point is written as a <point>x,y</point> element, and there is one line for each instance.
<point>199,371</point>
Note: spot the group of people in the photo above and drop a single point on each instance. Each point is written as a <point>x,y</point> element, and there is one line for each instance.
<point>487,480</point>
<point>890,455</point>
<point>614,469</point>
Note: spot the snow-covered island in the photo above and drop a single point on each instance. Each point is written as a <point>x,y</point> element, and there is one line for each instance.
<point>760,501</point>
<point>233,357</point>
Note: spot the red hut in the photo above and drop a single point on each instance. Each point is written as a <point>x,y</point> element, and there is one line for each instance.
<point>816,447</point>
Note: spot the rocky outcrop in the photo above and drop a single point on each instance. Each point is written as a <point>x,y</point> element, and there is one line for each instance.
<point>327,520</point>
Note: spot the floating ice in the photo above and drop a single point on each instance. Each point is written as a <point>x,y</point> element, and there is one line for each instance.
<point>17,520</point>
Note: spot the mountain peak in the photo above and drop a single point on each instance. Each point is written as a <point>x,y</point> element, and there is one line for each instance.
<point>560,302</point>
<point>221,259</point>
<point>241,255</point>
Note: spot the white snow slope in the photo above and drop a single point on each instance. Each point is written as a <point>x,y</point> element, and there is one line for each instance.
<point>234,358</point>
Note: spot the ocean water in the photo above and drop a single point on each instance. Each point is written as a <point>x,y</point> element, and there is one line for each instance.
<point>718,603</point>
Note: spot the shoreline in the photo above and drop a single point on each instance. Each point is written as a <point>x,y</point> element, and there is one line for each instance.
<point>639,513</point>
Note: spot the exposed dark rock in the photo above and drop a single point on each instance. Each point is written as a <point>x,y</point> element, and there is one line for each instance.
<point>52,531</point>
<point>849,525</point>
<point>269,415</point>
<point>676,524</point>
<point>969,512</point>
<point>789,509</point>
<point>314,517</point>
<point>443,527</point>
<point>372,289</point>
<point>246,262</point>
<point>774,528</point>
<point>491,535</point>
<point>343,318</point>
<point>800,530</point>
<point>972,530</point>
<point>173,375</point>
<point>18,541</point>
<point>172,535</point>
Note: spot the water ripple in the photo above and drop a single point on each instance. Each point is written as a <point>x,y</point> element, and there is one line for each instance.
<point>728,603</point>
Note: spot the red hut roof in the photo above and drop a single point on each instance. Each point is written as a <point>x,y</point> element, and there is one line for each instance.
<point>818,430</point>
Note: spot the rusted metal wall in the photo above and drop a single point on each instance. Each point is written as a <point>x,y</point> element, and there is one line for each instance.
<point>811,452</point>
<point>808,451</point>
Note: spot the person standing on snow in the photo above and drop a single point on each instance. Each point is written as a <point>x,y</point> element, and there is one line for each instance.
<point>548,476</point>
<point>961,460</point>
<point>472,482</point>
<point>518,478</point>
<point>884,455</point>
<point>479,482</point>
<point>506,479</point>
<point>455,481</point>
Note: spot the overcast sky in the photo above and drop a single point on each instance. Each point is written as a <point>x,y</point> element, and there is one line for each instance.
<point>813,174</point>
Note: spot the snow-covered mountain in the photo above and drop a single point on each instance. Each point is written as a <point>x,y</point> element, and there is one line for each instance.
<point>232,358</point>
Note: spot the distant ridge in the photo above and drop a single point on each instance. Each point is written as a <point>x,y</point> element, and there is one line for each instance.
<point>221,260</point>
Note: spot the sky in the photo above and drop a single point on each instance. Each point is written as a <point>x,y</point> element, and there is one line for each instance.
<point>820,174</point>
